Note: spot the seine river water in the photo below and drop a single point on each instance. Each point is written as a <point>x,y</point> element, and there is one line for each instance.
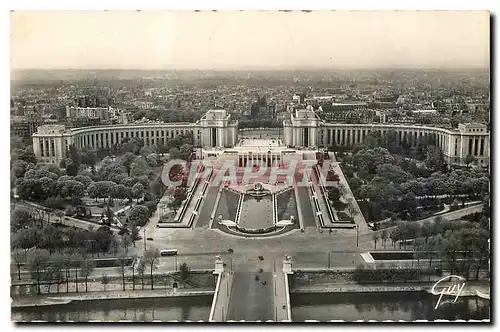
<point>408,306</point>
<point>138,310</point>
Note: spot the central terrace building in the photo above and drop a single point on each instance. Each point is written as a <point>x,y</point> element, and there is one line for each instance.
<point>217,136</point>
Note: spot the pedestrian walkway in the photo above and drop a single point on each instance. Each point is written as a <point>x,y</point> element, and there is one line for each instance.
<point>281,301</point>
<point>222,295</point>
<point>321,201</point>
<point>358,217</point>
<point>193,204</point>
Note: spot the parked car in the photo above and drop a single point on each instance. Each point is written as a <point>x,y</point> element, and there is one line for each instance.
<point>149,239</point>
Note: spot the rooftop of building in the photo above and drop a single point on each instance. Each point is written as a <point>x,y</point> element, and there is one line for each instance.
<point>424,111</point>
<point>217,114</point>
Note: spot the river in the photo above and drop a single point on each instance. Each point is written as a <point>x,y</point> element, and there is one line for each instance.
<point>137,310</point>
<point>407,306</point>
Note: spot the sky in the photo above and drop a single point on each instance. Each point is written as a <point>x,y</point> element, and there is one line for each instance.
<point>242,40</point>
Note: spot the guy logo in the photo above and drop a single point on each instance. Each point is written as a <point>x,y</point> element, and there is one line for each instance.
<point>455,289</point>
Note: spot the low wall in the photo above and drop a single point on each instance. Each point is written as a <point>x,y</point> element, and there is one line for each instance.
<point>214,301</point>
<point>93,296</point>
<point>190,193</point>
<point>220,302</point>
<point>321,184</point>
<point>361,289</point>
<point>256,231</point>
<point>288,304</point>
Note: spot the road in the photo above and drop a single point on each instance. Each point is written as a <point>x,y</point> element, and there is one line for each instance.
<point>207,207</point>
<point>308,218</point>
<point>307,249</point>
<point>199,246</point>
<point>251,299</point>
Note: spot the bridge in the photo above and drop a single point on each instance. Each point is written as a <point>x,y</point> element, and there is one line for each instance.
<point>251,296</point>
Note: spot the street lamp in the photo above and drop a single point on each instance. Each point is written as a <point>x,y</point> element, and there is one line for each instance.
<point>144,237</point>
<point>357,235</point>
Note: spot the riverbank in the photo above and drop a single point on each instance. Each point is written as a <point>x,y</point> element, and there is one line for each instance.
<point>471,289</point>
<point>56,299</point>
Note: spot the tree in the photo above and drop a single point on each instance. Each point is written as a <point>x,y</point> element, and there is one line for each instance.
<point>435,159</point>
<point>18,258</point>
<point>120,192</point>
<point>134,235</point>
<point>409,204</point>
<point>60,215</point>
<point>184,272</point>
<point>481,247</point>
<point>384,237</point>
<point>125,242</point>
<point>20,219</point>
<point>469,159</point>
<point>104,281</point>
<point>395,236</point>
<point>72,169</point>
<point>151,258</point>
<point>110,215</point>
<point>448,250</point>
<point>76,259</point>
<point>351,208</point>
<point>392,173</point>
<point>37,262</point>
<point>174,204</point>
<point>185,151</point>
<point>67,259</point>
<point>127,160</point>
<point>355,184</point>
<point>334,194</point>
<point>418,249</point>
<point>153,160</point>
<point>51,238</point>
<point>134,262</point>
<point>138,215</point>
<point>145,151</point>
<point>122,262</point>
<point>27,155</point>
<point>140,167</point>
<point>56,268</point>
<point>426,230</point>
<point>375,238</point>
<point>141,268</point>
<point>19,168</point>
<point>429,247</point>
<point>87,265</point>
<point>85,180</point>
<point>174,153</point>
<point>103,238</point>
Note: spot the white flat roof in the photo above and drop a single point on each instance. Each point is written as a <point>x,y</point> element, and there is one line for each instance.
<point>256,142</point>
<point>424,111</point>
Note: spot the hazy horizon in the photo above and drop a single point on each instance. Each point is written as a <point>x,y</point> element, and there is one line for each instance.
<point>250,40</point>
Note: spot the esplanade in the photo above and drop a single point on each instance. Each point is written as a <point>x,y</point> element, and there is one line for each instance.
<point>303,130</point>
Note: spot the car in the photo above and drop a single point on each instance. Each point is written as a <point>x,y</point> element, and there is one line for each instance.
<point>66,218</point>
<point>149,239</point>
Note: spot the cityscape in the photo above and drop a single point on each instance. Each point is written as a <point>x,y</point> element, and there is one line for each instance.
<point>249,180</point>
